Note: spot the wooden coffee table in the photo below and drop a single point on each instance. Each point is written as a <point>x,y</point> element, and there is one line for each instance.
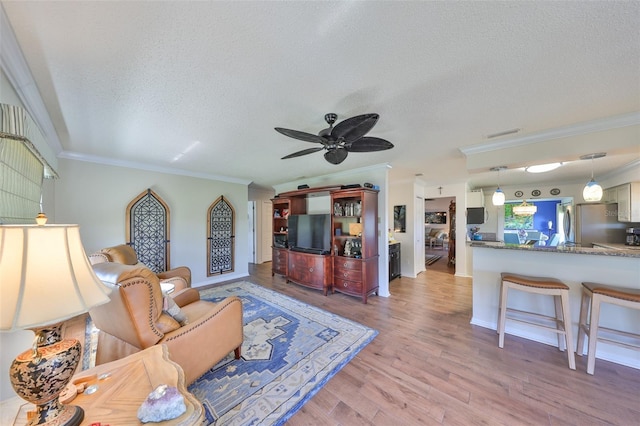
<point>127,383</point>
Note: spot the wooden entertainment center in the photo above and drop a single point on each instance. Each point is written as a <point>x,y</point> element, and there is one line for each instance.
<point>351,267</point>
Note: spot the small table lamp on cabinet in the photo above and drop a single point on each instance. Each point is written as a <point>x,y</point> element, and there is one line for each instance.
<point>45,279</point>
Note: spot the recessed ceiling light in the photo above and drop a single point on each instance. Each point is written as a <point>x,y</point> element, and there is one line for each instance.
<point>541,168</point>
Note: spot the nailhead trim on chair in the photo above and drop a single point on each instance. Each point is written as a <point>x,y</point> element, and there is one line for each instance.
<point>150,312</point>
<point>227,303</point>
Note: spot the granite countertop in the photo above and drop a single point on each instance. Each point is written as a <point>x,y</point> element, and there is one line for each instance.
<point>619,252</point>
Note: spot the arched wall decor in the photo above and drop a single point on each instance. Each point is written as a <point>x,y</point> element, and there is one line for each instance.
<point>220,237</point>
<point>148,230</point>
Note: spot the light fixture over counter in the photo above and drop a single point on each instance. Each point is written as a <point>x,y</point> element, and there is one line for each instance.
<point>498,196</point>
<point>525,209</point>
<point>592,190</point>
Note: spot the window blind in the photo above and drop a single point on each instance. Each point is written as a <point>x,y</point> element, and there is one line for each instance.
<point>21,174</point>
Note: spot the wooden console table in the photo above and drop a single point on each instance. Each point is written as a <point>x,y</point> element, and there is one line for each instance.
<point>129,382</point>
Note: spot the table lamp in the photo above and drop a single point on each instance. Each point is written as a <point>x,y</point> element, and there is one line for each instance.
<point>45,279</point>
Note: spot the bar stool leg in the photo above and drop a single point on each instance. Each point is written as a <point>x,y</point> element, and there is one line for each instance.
<point>593,333</point>
<point>557,302</point>
<point>499,306</point>
<point>503,313</point>
<point>582,324</point>
<point>568,334</point>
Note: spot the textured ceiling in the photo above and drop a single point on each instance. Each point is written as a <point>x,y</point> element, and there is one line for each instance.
<point>199,86</point>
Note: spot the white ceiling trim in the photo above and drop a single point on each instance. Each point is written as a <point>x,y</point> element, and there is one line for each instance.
<point>17,71</point>
<point>601,124</point>
<point>148,167</point>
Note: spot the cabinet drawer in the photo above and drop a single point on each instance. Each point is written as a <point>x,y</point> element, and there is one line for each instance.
<point>346,264</point>
<point>348,286</point>
<point>348,274</point>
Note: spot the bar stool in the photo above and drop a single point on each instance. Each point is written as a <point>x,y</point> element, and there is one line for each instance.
<point>539,285</point>
<point>593,295</point>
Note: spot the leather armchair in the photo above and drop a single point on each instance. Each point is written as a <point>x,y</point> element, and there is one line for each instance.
<point>134,320</point>
<point>180,277</point>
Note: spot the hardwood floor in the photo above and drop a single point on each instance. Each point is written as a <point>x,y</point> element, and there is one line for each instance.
<point>428,365</point>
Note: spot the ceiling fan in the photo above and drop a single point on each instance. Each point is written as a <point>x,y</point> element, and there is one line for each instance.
<point>347,136</point>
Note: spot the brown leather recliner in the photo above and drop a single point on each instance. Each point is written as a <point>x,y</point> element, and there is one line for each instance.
<point>134,320</point>
<point>180,277</point>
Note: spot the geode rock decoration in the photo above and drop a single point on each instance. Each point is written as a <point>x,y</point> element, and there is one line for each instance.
<point>164,403</point>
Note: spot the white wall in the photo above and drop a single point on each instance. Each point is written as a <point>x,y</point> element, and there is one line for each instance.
<point>95,196</point>
<point>401,193</point>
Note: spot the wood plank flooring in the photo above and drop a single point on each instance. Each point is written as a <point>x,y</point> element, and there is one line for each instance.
<point>429,366</point>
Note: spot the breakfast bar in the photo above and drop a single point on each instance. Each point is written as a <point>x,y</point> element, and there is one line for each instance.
<point>572,265</point>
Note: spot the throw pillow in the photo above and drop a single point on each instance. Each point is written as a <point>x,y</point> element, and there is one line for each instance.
<point>166,323</point>
<point>172,309</point>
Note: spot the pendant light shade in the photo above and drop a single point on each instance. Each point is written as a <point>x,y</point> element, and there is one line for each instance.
<point>498,196</point>
<point>592,190</point>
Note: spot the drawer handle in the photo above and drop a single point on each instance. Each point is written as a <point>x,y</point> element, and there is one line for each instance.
<point>345,264</point>
<point>345,274</point>
<point>344,284</point>
<point>310,269</point>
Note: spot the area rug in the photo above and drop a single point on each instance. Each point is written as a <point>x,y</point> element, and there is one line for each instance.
<point>430,259</point>
<point>290,351</point>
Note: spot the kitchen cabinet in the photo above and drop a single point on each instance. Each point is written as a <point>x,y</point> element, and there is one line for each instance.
<point>475,198</point>
<point>628,197</point>
<point>610,195</point>
<point>394,261</point>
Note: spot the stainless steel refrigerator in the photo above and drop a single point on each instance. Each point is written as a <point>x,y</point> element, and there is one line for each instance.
<point>585,224</point>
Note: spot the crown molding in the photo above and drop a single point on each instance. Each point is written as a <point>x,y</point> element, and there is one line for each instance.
<point>15,67</point>
<point>69,155</point>
<point>598,125</point>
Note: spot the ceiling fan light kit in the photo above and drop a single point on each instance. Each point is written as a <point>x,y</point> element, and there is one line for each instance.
<point>347,136</point>
<point>592,190</point>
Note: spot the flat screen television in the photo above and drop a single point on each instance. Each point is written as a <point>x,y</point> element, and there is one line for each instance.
<point>310,233</point>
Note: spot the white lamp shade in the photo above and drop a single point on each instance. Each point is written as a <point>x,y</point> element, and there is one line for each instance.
<point>498,197</point>
<point>592,191</point>
<point>45,276</point>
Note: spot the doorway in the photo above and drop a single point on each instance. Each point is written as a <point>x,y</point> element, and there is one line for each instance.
<point>437,225</point>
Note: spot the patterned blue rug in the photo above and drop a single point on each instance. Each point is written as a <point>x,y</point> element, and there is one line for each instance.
<point>290,351</point>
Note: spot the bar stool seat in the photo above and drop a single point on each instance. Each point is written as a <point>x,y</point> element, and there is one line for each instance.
<point>593,295</point>
<point>560,324</point>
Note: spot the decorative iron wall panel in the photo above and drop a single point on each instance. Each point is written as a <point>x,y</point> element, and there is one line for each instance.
<point>220,238</point>
<point>148,230</point>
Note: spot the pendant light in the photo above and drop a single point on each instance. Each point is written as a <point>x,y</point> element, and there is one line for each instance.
<point>498,196</point>
<point>525,209</point>
<point>592,190</point>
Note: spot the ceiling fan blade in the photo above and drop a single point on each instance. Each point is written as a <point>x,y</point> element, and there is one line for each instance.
<point>354,128</point>
<point>303,152</point>
<point>369,144</point>
<point>336,156</point>
<point>303,136</point>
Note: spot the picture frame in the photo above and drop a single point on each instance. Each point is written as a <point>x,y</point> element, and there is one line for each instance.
<point>400,218</point>
<point>435,218</point>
